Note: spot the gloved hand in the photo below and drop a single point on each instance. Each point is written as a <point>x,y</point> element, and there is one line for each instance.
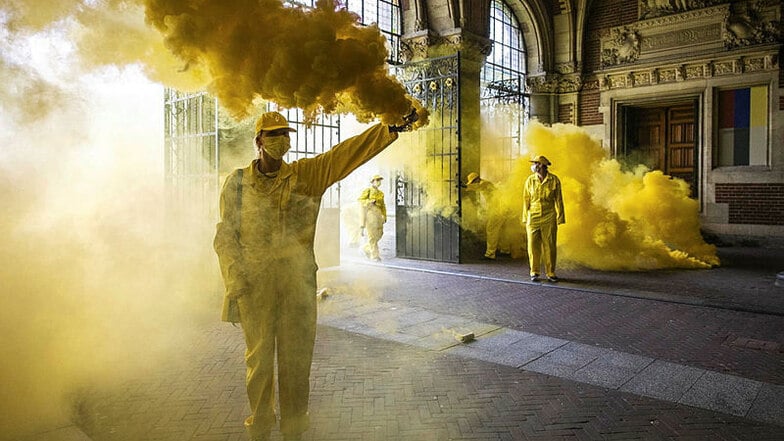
<point>408,121</point>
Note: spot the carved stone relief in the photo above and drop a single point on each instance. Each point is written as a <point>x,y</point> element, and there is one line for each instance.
<point>699,70</point>
<point>657,8</point>
<point>415,48</point>
<point>752,22</point>
<point>622,47</point>
<point>665,37</point>
<point>554,83</point>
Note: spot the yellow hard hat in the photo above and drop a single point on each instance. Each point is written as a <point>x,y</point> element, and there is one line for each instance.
<point>376,178</point>
<point>473,176</point>
<point>272,121</point>
<point>542,160</point>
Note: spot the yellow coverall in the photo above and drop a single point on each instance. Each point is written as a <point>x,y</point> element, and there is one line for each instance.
<point>495,215</point>
<point>268,264</point>
<point>543,211</point>
<point>375,216</point>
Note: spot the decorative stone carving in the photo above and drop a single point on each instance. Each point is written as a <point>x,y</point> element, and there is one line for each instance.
<point>541,84</point>
<point>724,67</point>
<point>700,69</point>
<point>570,84</point>
<point>567,68</point>
<point>753,64</point>
<point>684,35</point>
<point>667,75</point>
<point>695,71</point>
<point>462,41</point>
<point>657,8</point>
<point>622,47</point>
<point>750,23</point>
<point>641,78</point>
<point>415,47</point>
<point>554,83</point>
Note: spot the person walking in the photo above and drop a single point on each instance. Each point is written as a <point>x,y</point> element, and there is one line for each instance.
<point>374,216</point>
<point>543,211</point>
<point>264,242</point>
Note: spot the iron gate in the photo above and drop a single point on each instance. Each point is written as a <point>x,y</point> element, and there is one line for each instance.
<point>427,202</point>
<point>504,102</point>
<point>191,155</point>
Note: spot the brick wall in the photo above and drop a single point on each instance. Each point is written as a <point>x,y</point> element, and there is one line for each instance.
<point>566,113</point>
<point>589,108</point>
<point>603,15</point>
<point>758,204</point>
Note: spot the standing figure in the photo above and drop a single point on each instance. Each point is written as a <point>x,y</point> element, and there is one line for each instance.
<point>264,242</point>
<point>495,215</point>
<point>543,211</point>
<point>374,216</point>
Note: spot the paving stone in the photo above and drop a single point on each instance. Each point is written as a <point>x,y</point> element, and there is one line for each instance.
<point>663,380</point>
<point>564,361</point>
<point>722,393</point>
<point>611,369</point>
<point>538,343</point>
<point>769,405</point>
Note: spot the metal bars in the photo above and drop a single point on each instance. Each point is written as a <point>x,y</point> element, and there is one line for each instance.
<point>427,202</point>
<point>191,153</point>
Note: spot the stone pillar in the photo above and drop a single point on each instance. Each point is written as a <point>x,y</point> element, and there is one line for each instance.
<point>549,91</point>
<point>473,52</point>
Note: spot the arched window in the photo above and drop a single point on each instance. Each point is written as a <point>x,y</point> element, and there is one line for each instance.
<point>386,14</point>
<point>502,93</point>
<point>507,60</point>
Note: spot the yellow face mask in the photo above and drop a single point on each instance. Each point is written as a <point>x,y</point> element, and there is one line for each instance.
<point>277,146</point>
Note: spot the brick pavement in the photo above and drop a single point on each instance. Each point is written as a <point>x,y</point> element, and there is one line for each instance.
<point>366,388</point>
<point>371,388</point>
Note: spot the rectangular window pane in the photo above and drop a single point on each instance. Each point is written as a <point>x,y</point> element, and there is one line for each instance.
<point>743,126</point>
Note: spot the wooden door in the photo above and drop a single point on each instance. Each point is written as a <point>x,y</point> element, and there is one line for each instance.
<point>681,144</point>
<point>646,131</point>
<point>663,138</point>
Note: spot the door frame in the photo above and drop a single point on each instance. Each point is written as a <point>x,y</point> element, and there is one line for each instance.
<point>617,128</point>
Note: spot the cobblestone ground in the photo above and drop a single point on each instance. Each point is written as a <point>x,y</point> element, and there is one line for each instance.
<point>366,388</point>
<point>370,389</point>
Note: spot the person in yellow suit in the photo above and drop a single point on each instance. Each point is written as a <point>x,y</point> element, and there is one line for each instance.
<point>543,211</point>
<point>374,216</point>
<point>264,242</point>
<point>495,215</point>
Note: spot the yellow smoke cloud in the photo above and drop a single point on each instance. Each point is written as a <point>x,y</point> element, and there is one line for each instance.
<point>616,219</point>
<point>316,59</point>
<point>90,293</point>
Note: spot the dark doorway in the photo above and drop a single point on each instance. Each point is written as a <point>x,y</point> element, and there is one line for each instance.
<point>663,138</point>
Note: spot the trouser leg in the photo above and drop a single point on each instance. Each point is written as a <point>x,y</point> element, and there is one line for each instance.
<point>257,318</point>
<point>493,230</point>
<point>534,248</point>
<point>375,230</point>
<point>549,239</point>
<point>296,337</point>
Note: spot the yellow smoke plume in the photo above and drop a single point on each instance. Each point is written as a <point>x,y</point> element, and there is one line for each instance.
<point>316,59</point>
<point>616,219</point>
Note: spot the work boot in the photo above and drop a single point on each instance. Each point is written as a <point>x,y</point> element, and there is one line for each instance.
<point>534,277</point>
<point>552,279</point>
